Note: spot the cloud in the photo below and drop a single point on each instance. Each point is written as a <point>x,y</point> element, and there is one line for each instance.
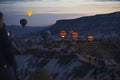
<point>29,0</point>
<point>106,0</point>
<point>56,0</point>
<point>18,0</point>
<point>59,6</point>
<point>2,1</point>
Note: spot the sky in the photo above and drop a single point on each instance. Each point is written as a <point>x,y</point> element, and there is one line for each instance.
<point>47,12</point>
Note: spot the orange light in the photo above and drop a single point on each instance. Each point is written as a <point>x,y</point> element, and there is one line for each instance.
<point>29,12</point>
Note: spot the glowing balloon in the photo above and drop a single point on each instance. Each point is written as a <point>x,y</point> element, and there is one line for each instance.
<point>23,22</point>
<point>29,12</point>
<point>90,38</point>
<point>62,33</point>
<point>75,35</point>
<point>47,33</point>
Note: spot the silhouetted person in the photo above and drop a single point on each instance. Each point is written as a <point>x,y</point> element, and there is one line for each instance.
<point>113,76</point>
<point>7,60</point>
<point>95,74</point>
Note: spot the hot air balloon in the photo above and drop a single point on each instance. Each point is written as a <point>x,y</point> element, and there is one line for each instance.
<point>29,12</point>
<point>63,33</point>
<point>23,22</point>
<point>75,35</point>
<point>48,33</point>
<point>90,38</point>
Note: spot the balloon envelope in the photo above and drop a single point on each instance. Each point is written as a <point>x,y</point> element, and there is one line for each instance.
<point>23,22</point>
<point>90,38</point>
<point>62,33</point>
<point>47,33</point>
<point>75,35</point>
<point>29,12</point>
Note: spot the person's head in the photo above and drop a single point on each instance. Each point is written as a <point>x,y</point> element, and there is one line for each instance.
<point>1,17</point>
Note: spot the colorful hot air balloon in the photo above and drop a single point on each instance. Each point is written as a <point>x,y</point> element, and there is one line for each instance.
<point>75,35</point>
<point>23,22</point>
<point>90,38</point>
<point>63,33</point>
<point>29,12</point>
<point>47,33</point>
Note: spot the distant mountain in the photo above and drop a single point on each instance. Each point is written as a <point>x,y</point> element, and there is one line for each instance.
<point>19,31</point>
<point>103,23</point>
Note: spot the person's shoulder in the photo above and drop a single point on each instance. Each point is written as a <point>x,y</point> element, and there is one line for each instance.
<point>3,28</point>
<point>4,25</point>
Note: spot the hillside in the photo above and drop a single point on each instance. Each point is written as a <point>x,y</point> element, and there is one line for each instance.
<point>20,31</point>
<point>103,23</point>
<point>64,66</point>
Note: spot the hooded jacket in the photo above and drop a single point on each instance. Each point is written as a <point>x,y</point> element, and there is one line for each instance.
<point>6,53</point>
